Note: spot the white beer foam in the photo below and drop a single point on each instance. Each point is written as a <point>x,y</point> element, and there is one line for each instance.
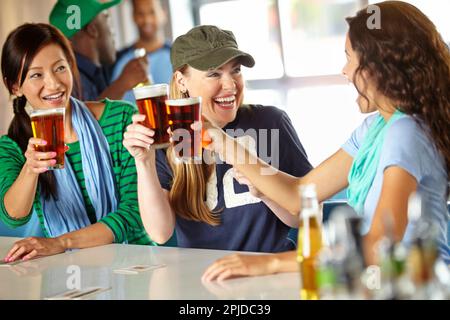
<point>184,102</point>
<point>46,112</point>
<point>156,90</point>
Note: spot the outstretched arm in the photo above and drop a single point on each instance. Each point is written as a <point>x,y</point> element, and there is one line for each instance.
<point>329,177</point>
<point>285,216</point>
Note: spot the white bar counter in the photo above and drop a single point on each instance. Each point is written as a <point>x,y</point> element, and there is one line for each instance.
<point>180,278</point>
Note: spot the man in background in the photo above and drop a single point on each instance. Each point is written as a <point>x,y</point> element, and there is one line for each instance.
<point>150,18</point>
<point>93,42</point>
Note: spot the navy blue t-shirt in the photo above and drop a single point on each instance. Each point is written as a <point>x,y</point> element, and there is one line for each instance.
<point>247,224</point>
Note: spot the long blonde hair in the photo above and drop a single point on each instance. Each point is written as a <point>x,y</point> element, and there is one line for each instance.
<point>188,193</point>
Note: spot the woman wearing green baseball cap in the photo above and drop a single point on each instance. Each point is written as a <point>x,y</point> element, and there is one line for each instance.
<point>92,200</point>
<point>205,203</point>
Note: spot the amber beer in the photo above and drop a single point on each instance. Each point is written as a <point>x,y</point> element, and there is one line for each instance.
<point>182,114</point>
<point>309,242</point>
<point>151,101</point>
<point>49,126</point>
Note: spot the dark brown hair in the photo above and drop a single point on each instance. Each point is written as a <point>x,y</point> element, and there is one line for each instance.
<point>409,63</point>
<point>19,50</point>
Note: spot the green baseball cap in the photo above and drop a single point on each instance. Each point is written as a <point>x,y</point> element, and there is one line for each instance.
<point>207,47</point>
<point>70,16</point>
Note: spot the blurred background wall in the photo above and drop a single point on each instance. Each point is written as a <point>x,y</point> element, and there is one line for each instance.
<point>298,46</point>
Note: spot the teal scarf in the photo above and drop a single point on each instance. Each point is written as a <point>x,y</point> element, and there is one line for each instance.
<point>365,164</point>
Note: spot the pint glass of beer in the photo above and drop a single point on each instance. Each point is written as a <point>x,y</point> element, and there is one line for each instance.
<point>182,114</point>
<point>151,101</point>
<point>48,124</point>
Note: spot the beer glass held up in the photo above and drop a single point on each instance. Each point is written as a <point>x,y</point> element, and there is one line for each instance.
<point>151,101</point>
<point>48,124</point>
<point>182,114</point>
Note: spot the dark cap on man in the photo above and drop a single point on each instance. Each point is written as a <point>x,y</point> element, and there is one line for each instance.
<point>70,16</point>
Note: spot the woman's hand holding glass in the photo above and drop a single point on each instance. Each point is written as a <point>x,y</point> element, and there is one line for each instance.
<point>38,162</point>
<point>138,139</point>
<point>216,140</point>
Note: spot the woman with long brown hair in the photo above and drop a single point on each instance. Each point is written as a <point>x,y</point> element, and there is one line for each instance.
<point>92,200</point>
<point>204,203</point>
<point>402,73</point>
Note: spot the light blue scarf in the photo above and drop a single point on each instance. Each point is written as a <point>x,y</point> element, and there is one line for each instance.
<point>365,164</point>
<point>68,213</point>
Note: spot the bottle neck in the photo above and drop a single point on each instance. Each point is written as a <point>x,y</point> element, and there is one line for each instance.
<point>310,208</point>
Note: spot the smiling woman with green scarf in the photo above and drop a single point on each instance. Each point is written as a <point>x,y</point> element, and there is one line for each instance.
<point>402,74</point>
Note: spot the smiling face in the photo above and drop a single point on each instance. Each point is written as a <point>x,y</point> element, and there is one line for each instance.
<point>149,18</point>
<point>48,82</point>
<point>221,90</point>
<point>358,80</point>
